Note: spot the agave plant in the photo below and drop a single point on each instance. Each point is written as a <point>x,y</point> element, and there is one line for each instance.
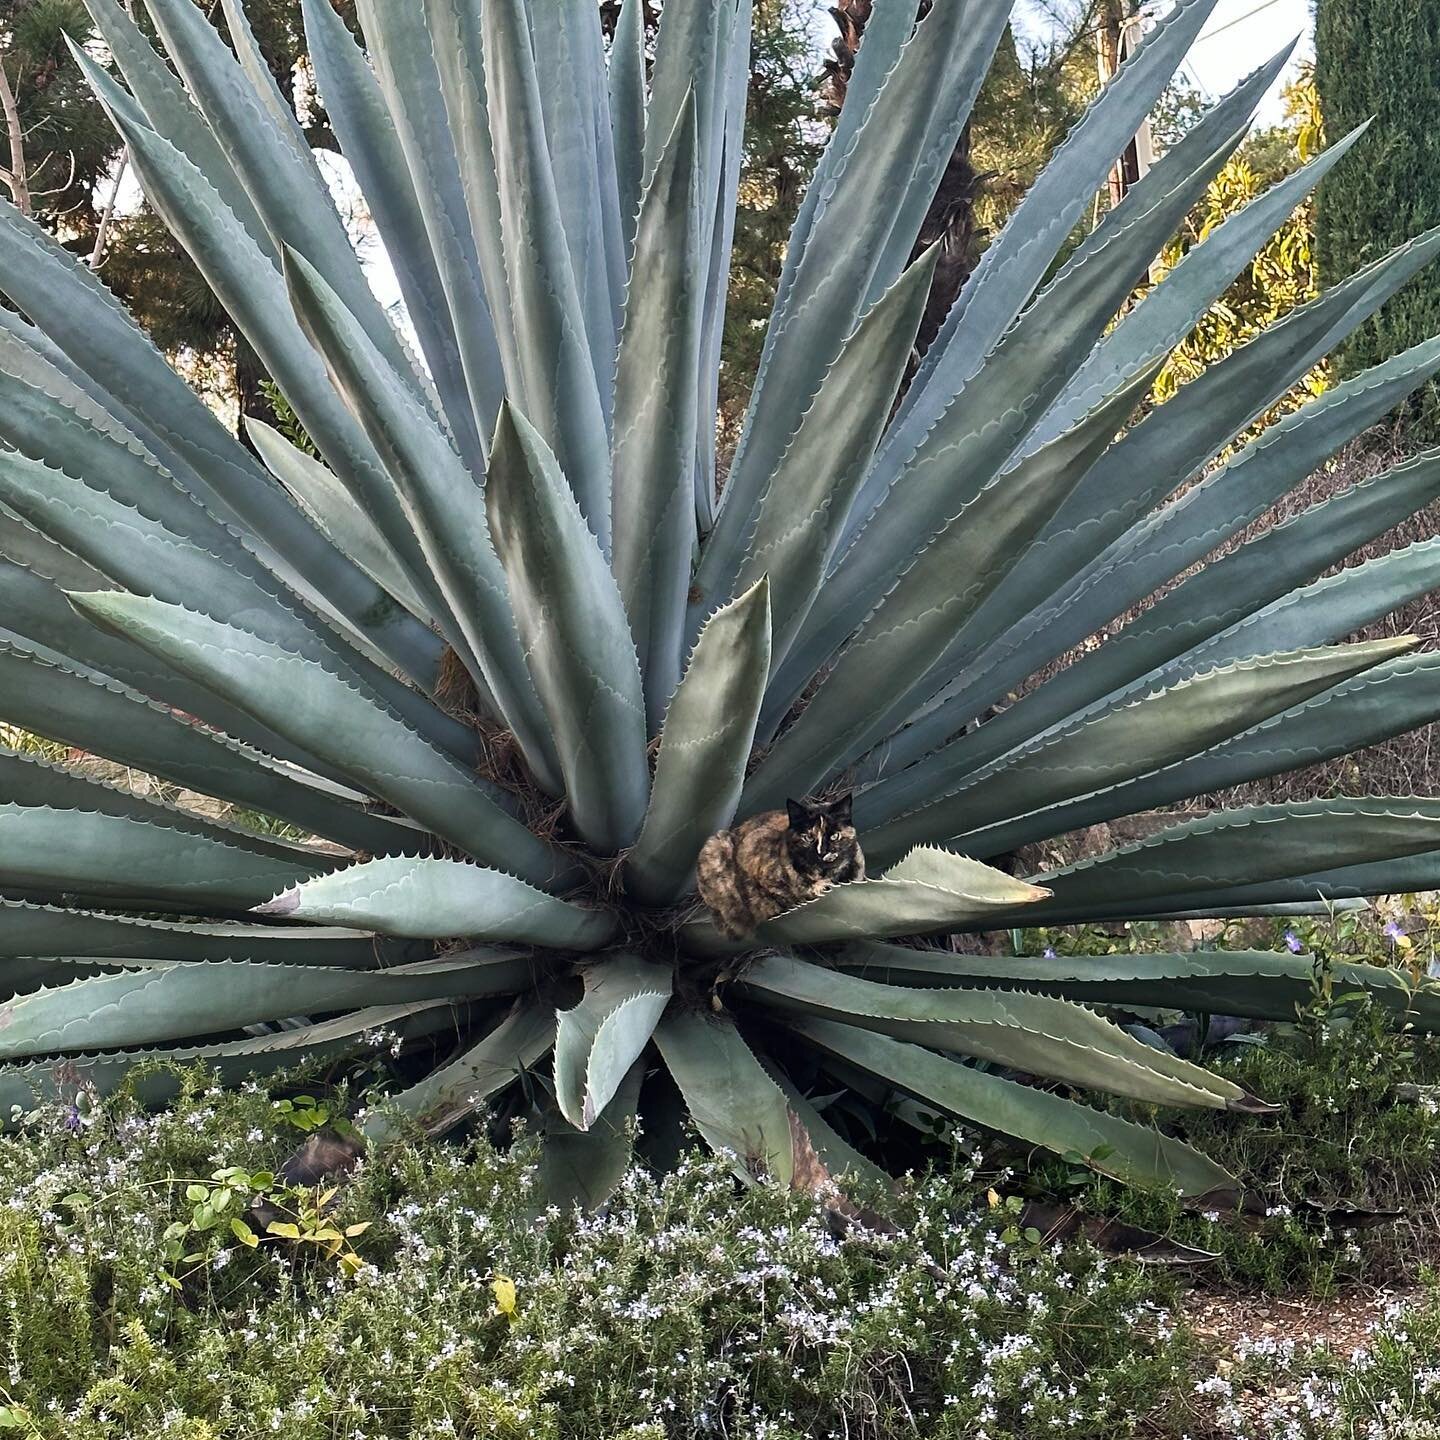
<point>508,653</point>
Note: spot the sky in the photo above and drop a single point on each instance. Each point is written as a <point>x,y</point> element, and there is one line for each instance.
<point>1242,33</point>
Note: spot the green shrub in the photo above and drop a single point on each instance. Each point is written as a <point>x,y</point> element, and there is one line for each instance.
<point>685,1307</point>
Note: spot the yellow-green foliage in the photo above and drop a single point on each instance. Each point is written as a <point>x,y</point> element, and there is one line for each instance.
<point>1283,274</point>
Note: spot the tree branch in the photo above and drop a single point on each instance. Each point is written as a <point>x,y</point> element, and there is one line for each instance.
<point>17,177</point>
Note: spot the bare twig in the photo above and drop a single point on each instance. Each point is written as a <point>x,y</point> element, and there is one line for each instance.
<point>17,177</point>
<point>102,234</point>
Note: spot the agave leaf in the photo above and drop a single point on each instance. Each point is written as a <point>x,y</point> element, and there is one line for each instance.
<point>171,1000</point>
<point>49,415</point>
<point>410,52</point>
<point>627,114</point>
<point>447,1095</point>
<point>264,143</point>
<point>599,1040</point>
<point>65,300</point>
<point>1233,849</point>
<point>103,717</point>
<point>656,386</point>
<point>994,413</point>
<point>170,111</point>
<point>1205,415</point>
<point>323,712</point>
<point>1167,725</point>
<point>886,33</point>
<point>1167,313</point>
<point>1017,261</point>
<point>1389,700</point>
<point>555,384</point>
<point>839,1157</point>
<point>1228,590</point>
<point>1113,1146</point>
<point>319,492</point>
<point>433,899</point>
<point>1260,984</point>
<point>38,615</point>
<point>23,544</point>
<point>727,147</point>
<point>1034,1034</point>
<point>145,555</point>
<point>156,1077</point>
<point>569,49</point>
<point>736,1106</point>
<point>876,679</point>
<point>370,142</point>
<point>929,890</point>
<point>704,747</point>
<point>436,488</point>
<point>583,1167</point>
<point>252,289</point>
<point>46,930</point>
<point>802,511</point>
<point>45,850</point>
<point>574,632</point>
<point>857,243</point>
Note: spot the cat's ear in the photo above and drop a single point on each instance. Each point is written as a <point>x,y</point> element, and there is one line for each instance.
<point>800,814</point>
<point>842,809</point>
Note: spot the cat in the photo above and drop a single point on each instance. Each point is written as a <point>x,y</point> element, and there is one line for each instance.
<point>777,860</point>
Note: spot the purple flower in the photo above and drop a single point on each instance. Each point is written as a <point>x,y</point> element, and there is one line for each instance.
<point>72,1117</point>
<point>1393,930</point>
<point>1049,952</point>
<point>1292,942</point>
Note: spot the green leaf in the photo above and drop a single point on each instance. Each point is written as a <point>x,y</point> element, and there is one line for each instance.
<point>1225,852</point>
<point>704,747</point>
<point>583,1167</point>
<point>318,491</point>
<point>1130,1152</point>
<point>574,633</point>
<point>736,1106</point>
<point>598,1041</point>
<point>1260,984</point>
<point>656,386</point>
<point>433,899</point>
<point>85,326</point>
<point>436,488</point>
<point>1034,1034</point>
<point>627,113</point>
<point>1054,589</point>
<point>860,239</point>
<point>802,512</point>
<point>29,929</point>
<point>1166,314</point>
<point>412,53</point>
<point>1090,752</point>
<point>370,142</point>
<point>173,1001</point>
<point>555,384</point>
<point>447,1095</point>
<point>263,141</point>
<point>103,717</point>
<point>135,861</point>
<point>156,1077</point>
<point>323,712</point>
<point>882,672</point>
<point>1017,260</point>
<point>999,406</point>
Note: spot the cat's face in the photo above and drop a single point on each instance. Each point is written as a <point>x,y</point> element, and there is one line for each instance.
<point>822,836</point>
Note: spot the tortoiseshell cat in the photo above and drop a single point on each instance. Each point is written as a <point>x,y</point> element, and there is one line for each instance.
<point>777,860</point>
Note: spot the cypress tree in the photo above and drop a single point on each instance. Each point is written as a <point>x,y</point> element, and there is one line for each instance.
<point>1382,58</point>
